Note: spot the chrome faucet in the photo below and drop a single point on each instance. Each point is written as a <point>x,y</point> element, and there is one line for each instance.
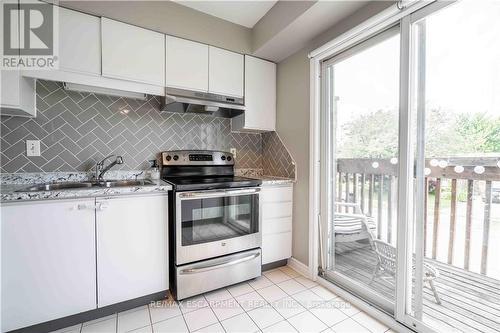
<point>100,170</point>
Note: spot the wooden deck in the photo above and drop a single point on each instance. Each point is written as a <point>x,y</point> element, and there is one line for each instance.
<point>470,301</point>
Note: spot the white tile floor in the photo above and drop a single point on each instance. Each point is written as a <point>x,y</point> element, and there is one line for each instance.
<point>279,301</point>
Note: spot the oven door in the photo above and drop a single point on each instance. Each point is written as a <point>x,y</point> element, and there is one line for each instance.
<point>216,222</point>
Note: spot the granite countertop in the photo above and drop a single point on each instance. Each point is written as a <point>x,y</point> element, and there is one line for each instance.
<point>266,180</point>
<point>273,180</point>
<point>9,192</point>
<point>11,184</point>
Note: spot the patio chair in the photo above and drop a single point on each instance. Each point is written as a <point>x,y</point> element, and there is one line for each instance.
<point>386,263</point>
<point>352,227</point>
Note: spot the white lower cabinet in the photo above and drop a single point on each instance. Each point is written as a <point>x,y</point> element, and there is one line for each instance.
<point>276,205</point>
<point>49,255</point>
<point>132,258</point>
<point>48,261</point>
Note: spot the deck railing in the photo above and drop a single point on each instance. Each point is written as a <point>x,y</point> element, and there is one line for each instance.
<point>373,184</point>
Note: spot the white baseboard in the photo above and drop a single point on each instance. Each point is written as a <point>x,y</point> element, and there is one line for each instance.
<point>364,306</point>
<point>299,267</point>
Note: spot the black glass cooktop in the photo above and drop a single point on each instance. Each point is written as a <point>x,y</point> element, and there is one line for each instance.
<point>207,183</point>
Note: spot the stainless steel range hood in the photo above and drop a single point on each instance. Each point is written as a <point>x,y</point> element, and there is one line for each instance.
<point>187,101</point>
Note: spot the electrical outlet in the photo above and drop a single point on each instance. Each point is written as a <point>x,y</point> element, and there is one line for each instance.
<point>32,147</point>
<point>233,151</point>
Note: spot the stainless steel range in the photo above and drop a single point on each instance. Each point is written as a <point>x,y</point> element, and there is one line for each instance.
<point>215,229</point>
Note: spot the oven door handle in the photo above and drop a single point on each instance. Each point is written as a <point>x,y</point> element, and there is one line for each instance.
<point>219,265</point>
<point>217,193</point>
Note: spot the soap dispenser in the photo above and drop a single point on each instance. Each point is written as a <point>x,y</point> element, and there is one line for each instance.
<point>154,170</point>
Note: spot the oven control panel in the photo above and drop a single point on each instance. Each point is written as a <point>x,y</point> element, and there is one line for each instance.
<point>196,157</point>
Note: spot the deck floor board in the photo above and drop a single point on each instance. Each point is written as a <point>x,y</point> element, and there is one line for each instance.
<point>470,301</point>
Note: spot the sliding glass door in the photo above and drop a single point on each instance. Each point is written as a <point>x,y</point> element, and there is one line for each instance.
<point>361,99</point>
<point>456,108</point>
<point>410,168</point>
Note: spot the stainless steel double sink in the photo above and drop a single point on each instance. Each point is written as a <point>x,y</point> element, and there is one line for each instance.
<point>86,184</point>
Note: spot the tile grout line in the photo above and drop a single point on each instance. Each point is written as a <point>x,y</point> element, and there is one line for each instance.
<point>306,309</point>
<point>352,317</point>
<point>288,295</point>
<point>267,303</point>
<point>245,311</point>
<point>151,319</point>
<point>220,323</point>
<point>253,289</point>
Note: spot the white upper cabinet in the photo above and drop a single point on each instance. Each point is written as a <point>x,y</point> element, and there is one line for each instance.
<point>225,72</point>
<point>17,94</point>
<point>48,261</point>
<point>79,42</point>
<point>132,251</point>
<point>260,97</point>
<point>132,53</point>
<point>186,64</point>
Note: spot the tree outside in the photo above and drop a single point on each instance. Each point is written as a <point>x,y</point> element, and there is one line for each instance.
<point>375,134</point>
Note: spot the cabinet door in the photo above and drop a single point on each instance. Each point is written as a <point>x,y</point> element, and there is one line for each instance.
<point>187,64</point>
<point>79,42</point>
<point>48,261</point>
<point>276,247</point>
<point>10,94</point>
<point>260,94</point>
<point>132,256</point>
<point>17,94</point>
<point>225,72</point>
<point>132,53</point>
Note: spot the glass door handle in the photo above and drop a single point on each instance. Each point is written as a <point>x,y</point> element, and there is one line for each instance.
<point>229,262</point>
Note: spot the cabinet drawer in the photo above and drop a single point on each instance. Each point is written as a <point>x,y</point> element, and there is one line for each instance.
<point>217,273</point>
<point>273,210</point>
<point>276,247</point>
<point>276,194</point>
<point>273,226</point>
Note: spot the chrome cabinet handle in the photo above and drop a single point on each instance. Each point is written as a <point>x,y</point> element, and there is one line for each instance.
<point>220,265</point>
<point>83,207</point>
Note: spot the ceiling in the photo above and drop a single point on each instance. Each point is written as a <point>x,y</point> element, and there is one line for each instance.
<point>245,13</point>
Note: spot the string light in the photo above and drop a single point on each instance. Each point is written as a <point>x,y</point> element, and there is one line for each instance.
<point>479,169</point>
<point>394,160</point>
<point>375,165</point>
<point>459,169</point>
<point>427,171</point>
<point>442,164</point>
<point>434,162</point>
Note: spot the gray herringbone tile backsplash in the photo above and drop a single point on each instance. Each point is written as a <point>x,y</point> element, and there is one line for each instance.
<point>276,160</point>
<point>78,129</point>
